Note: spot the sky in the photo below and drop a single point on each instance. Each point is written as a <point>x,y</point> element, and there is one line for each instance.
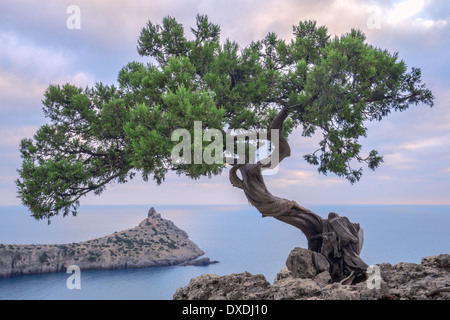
<point>47,42</point>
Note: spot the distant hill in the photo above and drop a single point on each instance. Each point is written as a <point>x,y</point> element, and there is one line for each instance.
<point>154,242</point>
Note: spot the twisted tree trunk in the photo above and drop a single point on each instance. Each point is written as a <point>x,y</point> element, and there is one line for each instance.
<point>336,238</point>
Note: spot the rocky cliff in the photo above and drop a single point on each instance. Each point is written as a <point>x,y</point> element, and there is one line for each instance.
<point>305,279</point>
<point>154,242</point>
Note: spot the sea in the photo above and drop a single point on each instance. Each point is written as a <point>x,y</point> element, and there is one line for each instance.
<point>235,235</point>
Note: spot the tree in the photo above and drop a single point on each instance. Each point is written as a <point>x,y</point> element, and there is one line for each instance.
<point>316,83</point>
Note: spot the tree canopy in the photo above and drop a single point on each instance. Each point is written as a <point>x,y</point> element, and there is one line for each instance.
<point>108,133</point>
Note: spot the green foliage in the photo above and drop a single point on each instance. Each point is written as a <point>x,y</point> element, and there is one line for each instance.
<point>106,134</point>
<point>81,150</point>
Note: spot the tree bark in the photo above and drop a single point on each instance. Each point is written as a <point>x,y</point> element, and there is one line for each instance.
<point>336,238</point>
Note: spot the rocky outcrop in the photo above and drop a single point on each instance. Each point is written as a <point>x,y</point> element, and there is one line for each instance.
<point>199,262</point>
<point>305,279</point>
<point>154,242</point>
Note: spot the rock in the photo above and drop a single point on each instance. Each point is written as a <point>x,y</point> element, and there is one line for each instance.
<point>300,263</point>
<point>305,279</point>
<point>151,212</point>
<point>306,264</point>
<point>323,278</point>
<point>441,261</point>
<point>154,242</point>
<point>199,262</point>
<point>241,286</point>
<point>283,274</point>
<point>293,288</point>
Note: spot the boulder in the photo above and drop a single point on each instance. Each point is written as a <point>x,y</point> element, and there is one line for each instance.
<point>306,264</point>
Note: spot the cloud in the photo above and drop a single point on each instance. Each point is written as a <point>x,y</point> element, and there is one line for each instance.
<point>28,68</point>
<point>24,57</point>
<point>305,177</point>
<point>14,88</point>
<point>37,49</point>
<point>406,9</point>
<point>29,60</point>
<point>399,161</point>
<point>12,135</point>
<point>411,13</point>
<point>427,143</point>
<point>428,23</point>
<point>107,25</point>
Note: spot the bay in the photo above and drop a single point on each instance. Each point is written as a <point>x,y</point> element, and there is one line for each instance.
<point>235,235</point>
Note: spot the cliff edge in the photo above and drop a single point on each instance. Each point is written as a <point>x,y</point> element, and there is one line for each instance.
<point>154,242</point>
<point>304,279</point>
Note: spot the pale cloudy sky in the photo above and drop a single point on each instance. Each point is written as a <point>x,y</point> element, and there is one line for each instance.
<point>37,49</point>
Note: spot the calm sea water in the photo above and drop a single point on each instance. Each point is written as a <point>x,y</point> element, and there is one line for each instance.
<point>236,236</point>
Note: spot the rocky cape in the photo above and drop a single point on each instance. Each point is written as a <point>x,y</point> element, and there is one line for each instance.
<point>306,278</point>
<point>154,242</point>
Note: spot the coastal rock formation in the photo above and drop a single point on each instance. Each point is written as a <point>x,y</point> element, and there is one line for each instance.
<point>199,262</point>
<point>305,279</point>
<point>154,242</point>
